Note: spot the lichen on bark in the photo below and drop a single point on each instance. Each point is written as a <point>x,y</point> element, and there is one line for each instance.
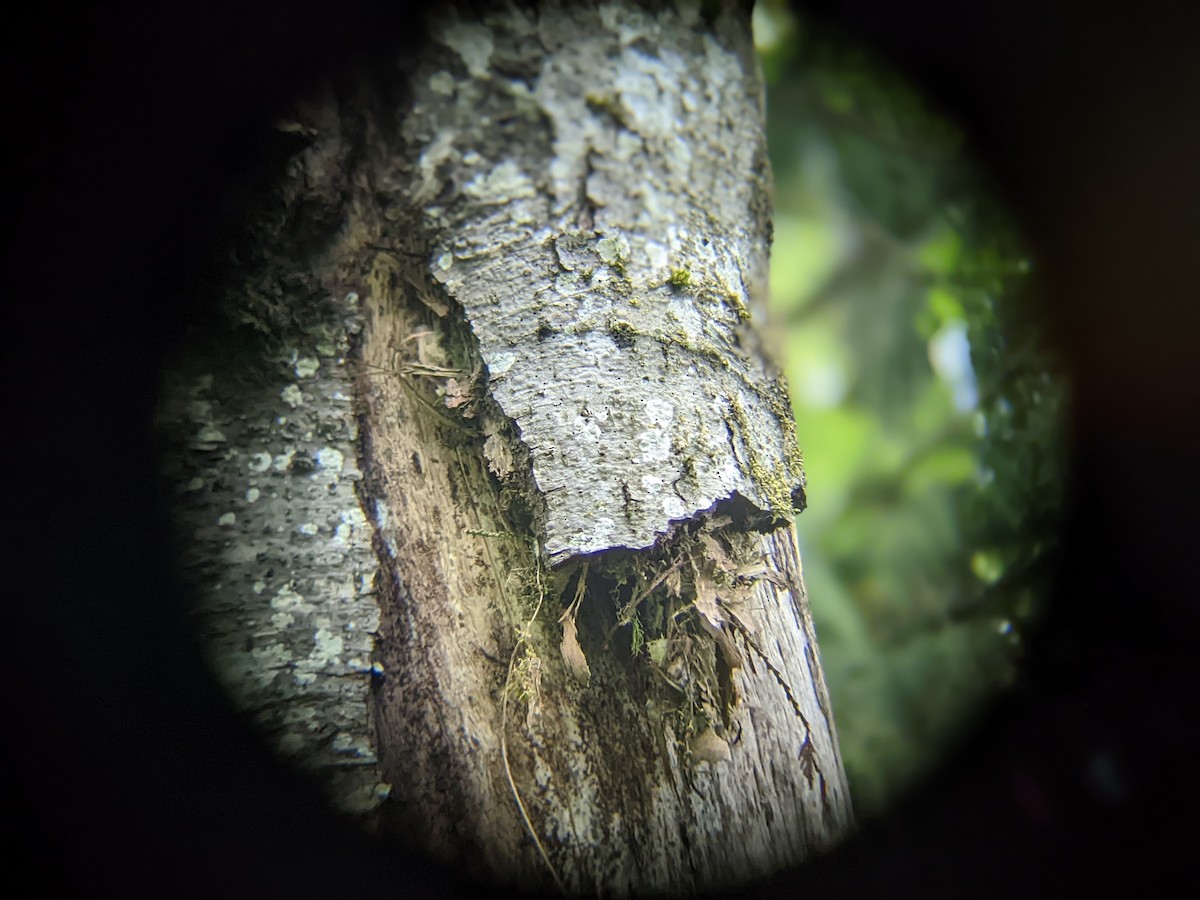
<point>260,455</point>
<point>564,193</point>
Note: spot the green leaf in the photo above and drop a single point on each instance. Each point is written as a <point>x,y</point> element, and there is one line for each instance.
<point>945,305</point>
<point>639,636</point>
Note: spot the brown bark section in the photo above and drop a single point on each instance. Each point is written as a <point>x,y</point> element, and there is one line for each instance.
<point>612,794</point>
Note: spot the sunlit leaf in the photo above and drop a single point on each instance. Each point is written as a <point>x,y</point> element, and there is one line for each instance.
<point>572,653</point>
<point>940,255</point>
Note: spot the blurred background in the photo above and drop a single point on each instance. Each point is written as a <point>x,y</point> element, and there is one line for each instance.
<point>929,407</point>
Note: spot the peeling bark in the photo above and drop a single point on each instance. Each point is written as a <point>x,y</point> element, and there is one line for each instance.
<point>594,660</point>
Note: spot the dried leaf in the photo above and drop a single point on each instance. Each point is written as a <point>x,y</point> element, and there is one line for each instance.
<point>456,394</point>
<point>572,653</point>
<point>716,553</point>
<point>657,649</point>
<point>705,600</point>
<point>708,747</point>
<point>674,583</point>
<point>733,656</point>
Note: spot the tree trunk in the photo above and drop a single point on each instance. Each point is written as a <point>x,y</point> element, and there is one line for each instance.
<point>563,622</point>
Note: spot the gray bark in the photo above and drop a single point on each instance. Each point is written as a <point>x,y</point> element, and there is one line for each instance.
<point>278,551</point>
<point>574,572</point>
<point>635,153</point>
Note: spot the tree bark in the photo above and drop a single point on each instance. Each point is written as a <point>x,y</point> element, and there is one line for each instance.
<point>564,625</point>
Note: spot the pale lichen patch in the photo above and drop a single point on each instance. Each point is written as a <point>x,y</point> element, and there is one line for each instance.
<point>331,458</point>
<point>473,43</point>
<point>306,367</point>
<point>503,184</point>
<point>208,437</point>
<point>613,249</point>
<point>442,83</point>
<point>327,647</point>
<point>292,396</point>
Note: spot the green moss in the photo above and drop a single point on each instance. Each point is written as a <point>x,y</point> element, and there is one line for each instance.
<point>793,456</point>
<point>680,338</point>
<point>778,483</point>
<point>738,306</point>
<point>680,279</point>
<point>689,467</point>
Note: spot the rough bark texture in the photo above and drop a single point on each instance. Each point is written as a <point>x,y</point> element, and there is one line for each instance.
<point>594,662</point>
<point>262,456</point>
<point>605,229</point>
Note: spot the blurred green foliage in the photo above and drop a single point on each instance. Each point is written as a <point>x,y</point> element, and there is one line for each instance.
<point>927,404</point>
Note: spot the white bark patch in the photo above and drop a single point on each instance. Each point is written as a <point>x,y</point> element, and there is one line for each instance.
<point>327,648</point>
<point>655,441</point>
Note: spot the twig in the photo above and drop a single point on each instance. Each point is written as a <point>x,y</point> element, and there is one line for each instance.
<point>579,589</point>
<point>415,395</point>
<point>626,614</point>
